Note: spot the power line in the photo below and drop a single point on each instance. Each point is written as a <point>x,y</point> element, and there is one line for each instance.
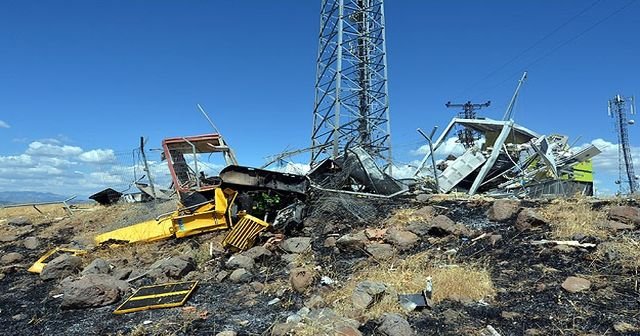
<point>535,44</point>
<point>575,37</point>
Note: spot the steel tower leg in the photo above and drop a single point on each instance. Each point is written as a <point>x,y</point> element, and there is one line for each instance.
<point>351,105</point>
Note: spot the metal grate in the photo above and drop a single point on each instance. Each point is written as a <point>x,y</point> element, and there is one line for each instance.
<point>244,233</point>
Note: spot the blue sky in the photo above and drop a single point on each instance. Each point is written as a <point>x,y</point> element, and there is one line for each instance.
<point>96,75</point>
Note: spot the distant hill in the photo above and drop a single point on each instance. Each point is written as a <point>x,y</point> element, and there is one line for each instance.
<point>15,197</point>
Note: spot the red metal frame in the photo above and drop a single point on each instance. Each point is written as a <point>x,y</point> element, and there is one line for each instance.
<point>181,140</point>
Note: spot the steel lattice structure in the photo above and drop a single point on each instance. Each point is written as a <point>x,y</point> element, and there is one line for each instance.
<point>351,98</point>
<point>618,111</point>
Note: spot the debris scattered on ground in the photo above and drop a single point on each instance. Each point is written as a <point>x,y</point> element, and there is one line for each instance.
<point>486,275</point>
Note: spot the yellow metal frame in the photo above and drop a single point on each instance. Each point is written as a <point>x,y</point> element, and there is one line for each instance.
<point>207,217</point>
<point>186,293</point>
<point>40,263</point>
<point>243,234</point>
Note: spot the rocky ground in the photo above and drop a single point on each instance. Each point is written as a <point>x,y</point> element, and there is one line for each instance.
<point>491,270</point>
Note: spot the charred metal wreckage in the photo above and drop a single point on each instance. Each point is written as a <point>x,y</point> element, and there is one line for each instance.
<point>244,200</point>
<point>509,159</point>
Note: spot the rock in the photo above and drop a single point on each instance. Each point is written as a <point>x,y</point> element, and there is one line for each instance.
<point>426,211</point>
<point>367,293</point>
<point>301,278</point>
<point>503,210</point>
<point>315,302</point>
<point>61,267</point>
<point>257,253</point>
<point>401,239</point>
<point>11,258</point>
<point>507,315</point>
<point>7,237</point>
<point>257,286</point>
<point>240,275</point>
<point>443,224</point>
<point>380,251</point>
<point>31,243</point>
<point>19,221</point>
<point>122,273</point>
<point>97,266</point>
<point>420,228</point>
<point>624,327</point>
<point>92,290</point>
<point>227,333</point>
<point>352,241</point>
<point>625,214</point>
<point>173,268</point>
<point>575,284</point>
<point>296,244</point>
<point>347,331</point>
<point>494,238</point>
<point>327,317</point>
<point>282,329</point>
<point>528,218</point>
<point>329,242</point>
<point>221,275</point>
<point>395,325</point>
<point>616,226</point>
<point>240,261</point>
<point>375,234</point>
<point>451,316</point>
<point>294,319</point>
<point>564,248</point>
<point>422,198</point>
<point>19,317</point>
<point>289,258</point>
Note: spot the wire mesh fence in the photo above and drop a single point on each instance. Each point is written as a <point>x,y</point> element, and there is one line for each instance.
<point>127,167</point>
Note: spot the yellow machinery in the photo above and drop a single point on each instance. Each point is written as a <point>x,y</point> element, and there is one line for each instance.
<point>52,254</point>
<point>206,217</point>
<point>206,201</point>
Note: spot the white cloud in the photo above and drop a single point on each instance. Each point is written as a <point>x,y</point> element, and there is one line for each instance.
<point>16,161</point>
<point>38,148</point>
<point>293,168</point>
<point>3,124</point>
<point>607,161</point>
<point>98,156</point>
<point>449,146</point>
<point>48,165</point>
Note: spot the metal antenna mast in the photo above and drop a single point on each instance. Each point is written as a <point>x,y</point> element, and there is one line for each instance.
<point>618,111</point>
<point>466,136</point>
<point>351,100</point>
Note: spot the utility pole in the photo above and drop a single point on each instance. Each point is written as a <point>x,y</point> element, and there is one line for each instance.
<point>467,136</point>
<point>146,168</point>
<point>351,100</point>
<point>618,111</point>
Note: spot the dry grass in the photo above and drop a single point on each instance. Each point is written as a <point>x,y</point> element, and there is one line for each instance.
<point>49,212</point>
<point>274,286</point>
<point>625,252</point>
<point>571,217</point>
<point>455,282</point>
<point>405,216</point>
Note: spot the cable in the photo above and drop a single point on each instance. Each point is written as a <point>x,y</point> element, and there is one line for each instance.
<point>575,37</point>
<point>535,44</point>
<point>581,33</point>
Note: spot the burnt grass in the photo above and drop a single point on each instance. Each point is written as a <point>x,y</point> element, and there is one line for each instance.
<point>527,279</point>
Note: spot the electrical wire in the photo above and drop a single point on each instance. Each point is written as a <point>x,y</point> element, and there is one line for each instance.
<point>563,44</point>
